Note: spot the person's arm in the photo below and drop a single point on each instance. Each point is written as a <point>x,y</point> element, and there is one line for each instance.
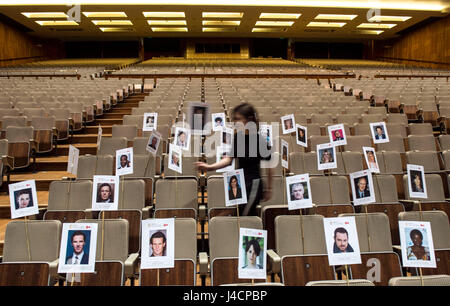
<point>268,189</point>
<point>225,162</point>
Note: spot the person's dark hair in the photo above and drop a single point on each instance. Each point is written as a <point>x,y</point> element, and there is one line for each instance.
<point>158,235</point>
<point>21,192</point>
<point>123,155</point>
<point>99,197</point>
<point>378,127</point>
<point>234,177</point>
<point>79,233</point>
<point>415,232</point>
<point>218,119</point>
<point>248,112</point>
<point>340,230</point>
<point>255,244</point>
<point>26,191</point>
<point>180,133</point>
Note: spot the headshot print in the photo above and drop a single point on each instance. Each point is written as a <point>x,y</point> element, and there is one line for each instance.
<point>253,251</point>
<point>105,193</point>
<point>182,139</point>
<point>338,135</point>
<point>288,124</point>
<point>78,243</point>
<point>341,242</point>
<point>150,122</point>
<point>299,191</point>
<point>226,138</point>
<point>417,248</point>
<point>23,198</point>
<point>326,156</point>
<point>379,132</point>
<point>234,188</point>
<point>372,163</point>
<point>416,181</point>
<point>158,243</point>
<point>153,142</point>
<point>218,122</point>
<point>301,135</point>
<point>175,159</point>
<point>362,187</point>
<point>124,161</point>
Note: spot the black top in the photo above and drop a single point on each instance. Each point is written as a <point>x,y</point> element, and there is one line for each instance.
<point>249,153</point>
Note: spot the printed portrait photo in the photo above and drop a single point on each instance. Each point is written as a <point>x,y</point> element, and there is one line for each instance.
<point>337,135</point>
<point>182,138</point>
<point>234,187</point>
<point>416,181</point>
<point>153,143</point>
<point>371,159</point>
<point>23,199</point>
<point>288,124</point>
<point>78,246</point>
<point>252,261</point>
<point>299,191</point>
<point>417,246</point>
<point>149,121</point>
<point>105,192</point>
<point>362,187</point>
<point>326,156</point>
<point>158,243</point>
<point>253,252</point>
<point>379,132</point>
<point>301,135</point>
<point>218,121</point>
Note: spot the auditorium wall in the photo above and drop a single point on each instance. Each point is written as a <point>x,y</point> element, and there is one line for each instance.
<point>17,47</point>
<point>192,54</point>
<point>427,46</point>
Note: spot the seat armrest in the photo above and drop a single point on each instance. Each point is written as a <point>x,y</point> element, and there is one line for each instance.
<point>274,262</point>
<point>409,201</point>
<point>131,264</point>
<point>202,211</point>
<point>146,211</point>
<point>1,258</point>
<point>203,261</point>
<point>88,213</point>
<point>258,210</point>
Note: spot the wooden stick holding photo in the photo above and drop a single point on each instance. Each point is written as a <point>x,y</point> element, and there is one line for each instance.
<point>121,183</point>
<point>157,277</point>
<point>367,226</point>
<point>103,235</point>
<point>69,186</point>
<point>347,277</point>
<point>27,235</point>
<point>72,280</point>
<point>421,219</point>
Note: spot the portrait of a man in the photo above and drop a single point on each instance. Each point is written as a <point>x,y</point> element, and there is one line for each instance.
<point>361,189</point>
<point>78,242</point>
<point>158,243</point>
<point>105,193</point>
<point>341,244</point>
<point>124,162</point>
<point>298,192</point>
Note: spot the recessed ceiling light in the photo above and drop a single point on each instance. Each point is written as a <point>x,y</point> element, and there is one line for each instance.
<point>369,32</point>
<point>376,26</point>
<point>45,15</point>
<point>221,22</point>
<point>279,16</point>
<point>164,14</point>
<point>166,22</point>
<point>219,29</point>
<point>274,23</point>
<point>163,29</point>
<point>335,17</point>
<point>269,30</point>
<point>104,14</point>
<point>111,22</point>
<point>56,22</point>
<point>115,29</point>
<point>326,24</point>
<point>222,15</point>
<point>389,18</point>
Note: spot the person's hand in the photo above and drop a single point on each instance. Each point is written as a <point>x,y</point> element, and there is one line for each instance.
<point>202,166</point>
<point>267,195</point>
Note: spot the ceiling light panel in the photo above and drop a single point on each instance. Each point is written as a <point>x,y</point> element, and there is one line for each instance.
<point>218,29</point>
<point>376,26</point>
<point>222,15</point>
<point>335,17</point>
<point>326,24</point>
<point>268,30</point>
<point>166,22</point>
<point>164,14</point>
<point>56,23</point>
<point>221,22</point>
<point>165,29</point>
<point>115,29</point>
<point>389,18</point>
<point>279,16</point>
<point>274,23</point>
<point>105,14</point>
<point>45,15</point>
<point>111,22</point>
<point>369,32</point>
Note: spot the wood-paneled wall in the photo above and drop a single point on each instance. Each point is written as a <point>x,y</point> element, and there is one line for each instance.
<point>244,43</point>
<point>428,46</point>
<point>17,47</point>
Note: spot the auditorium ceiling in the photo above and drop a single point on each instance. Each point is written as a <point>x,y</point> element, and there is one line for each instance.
<point>99,19</point>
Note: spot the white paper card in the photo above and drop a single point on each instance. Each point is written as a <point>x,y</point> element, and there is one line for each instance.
<point>124,161</point>
<point>78,248</point>
<point>72,162</point>
<point>252,253</point>
<point>326,156</point>
<point>362,187</point>
<point>417,246</point>
<point>158,243</point>
<point>416,182</point>
<point>337,135</point>
<point>298,191</point>
<point>234,186</point>
<point>150,121</point>
<point>342,241</point>
<point>23,199</point>
<point>105,192</point>
<point>379,132</point>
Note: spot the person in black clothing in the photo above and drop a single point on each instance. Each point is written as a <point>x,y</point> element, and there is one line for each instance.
<point>249,148</point>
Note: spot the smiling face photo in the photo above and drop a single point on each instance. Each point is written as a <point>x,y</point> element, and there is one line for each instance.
<point>24,198</point>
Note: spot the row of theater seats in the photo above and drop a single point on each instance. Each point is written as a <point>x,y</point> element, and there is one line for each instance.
<point>299,256</point>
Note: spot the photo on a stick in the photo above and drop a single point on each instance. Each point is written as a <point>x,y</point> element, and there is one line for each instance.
<point>417,246</point>
<point>252,253</point>
<point>158,243</point>
<point>298,191</point>
<point>23,199</point>
<point>234,185</point>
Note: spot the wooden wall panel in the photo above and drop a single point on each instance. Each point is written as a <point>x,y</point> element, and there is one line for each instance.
<point>17,47</point>
<point>428,46</point>
<point>190,49</point>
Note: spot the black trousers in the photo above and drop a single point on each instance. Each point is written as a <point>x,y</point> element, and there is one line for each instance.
<point>254,190</point>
